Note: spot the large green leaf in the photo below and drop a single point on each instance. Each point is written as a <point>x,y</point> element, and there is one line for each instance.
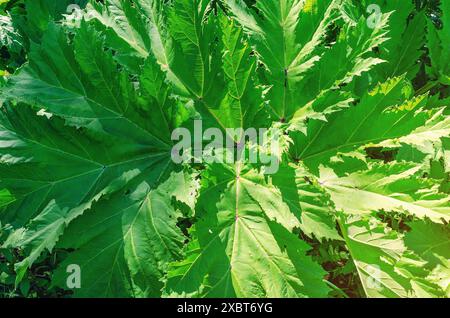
<point>383,117</point>
<point>242,245</point>
<point>383,262</point>
<point>438,46</point>
<point>85,148</point>
<point>131,238</point>
<point>404,48</point>
<point>85,88</point>
<point>288,37</point>
<point>125,146</point>
<point>42,159</point>
<point>307,199</point>
<point>392,187</point>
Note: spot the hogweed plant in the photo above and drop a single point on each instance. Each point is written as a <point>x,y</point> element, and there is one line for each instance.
<point>104,175</point>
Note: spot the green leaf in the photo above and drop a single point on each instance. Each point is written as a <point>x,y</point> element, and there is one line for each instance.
<point>307,199</point>
<point>296,58</point>
<point>41,159</point>
<point>193,34</point>
<point>383,262</point>
<point>9,36</point>
<point>243,99</point>
<point>383,117</point>
<point>91,96</point>
<point>243,235</point>
<point>94,94</point>
<point>406,40</point>
<point>392,187</point>
<point>429,240</point>
<point>235,99</point>
<point>107,106</point>
<point>39,14</point>
<point>131,238</point>
<point>438,45</point>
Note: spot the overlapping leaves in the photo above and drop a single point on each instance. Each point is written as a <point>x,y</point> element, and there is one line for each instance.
<point>85,148</point>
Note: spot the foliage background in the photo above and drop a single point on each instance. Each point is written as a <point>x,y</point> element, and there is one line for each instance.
<point>24,23</point>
